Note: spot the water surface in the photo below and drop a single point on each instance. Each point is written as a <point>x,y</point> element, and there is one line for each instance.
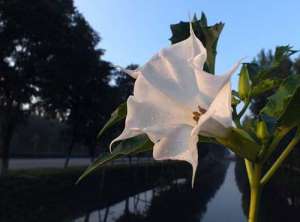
<point>218,201</point>
<point>141,193</point>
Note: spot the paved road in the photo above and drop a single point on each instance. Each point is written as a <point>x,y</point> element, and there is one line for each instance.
<point>32,163</point>
<point>46,163</point>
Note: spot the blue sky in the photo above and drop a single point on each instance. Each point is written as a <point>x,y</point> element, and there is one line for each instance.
<point>133,30</point>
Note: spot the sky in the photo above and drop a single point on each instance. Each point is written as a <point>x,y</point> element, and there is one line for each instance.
<point>133,30</point>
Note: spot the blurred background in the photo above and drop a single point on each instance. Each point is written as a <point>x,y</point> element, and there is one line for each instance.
<point>58,87</point>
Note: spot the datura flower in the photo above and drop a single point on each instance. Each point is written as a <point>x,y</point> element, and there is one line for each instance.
<point>175,100</point>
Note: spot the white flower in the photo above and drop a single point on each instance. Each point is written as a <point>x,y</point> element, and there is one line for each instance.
<point>174,100</point>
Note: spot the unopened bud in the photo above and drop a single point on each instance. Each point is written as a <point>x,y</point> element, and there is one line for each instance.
<point>262,132</point>
<point>244,83</point>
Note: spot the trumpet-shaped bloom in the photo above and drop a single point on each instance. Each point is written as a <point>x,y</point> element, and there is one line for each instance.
<point>175,100</point>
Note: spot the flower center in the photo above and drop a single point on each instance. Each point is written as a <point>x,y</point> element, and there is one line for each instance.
<point>198,113</point>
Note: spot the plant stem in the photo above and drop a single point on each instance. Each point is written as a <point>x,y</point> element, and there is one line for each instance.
<point>249,169</point>
<point>276,140</point>
<point>254,204</point>
<point>237,117</point>
<point>280,159</point>
<point>255,193</point>
<point>241,113</point>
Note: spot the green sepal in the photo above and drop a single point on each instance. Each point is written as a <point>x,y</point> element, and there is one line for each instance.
<point>242,144</point>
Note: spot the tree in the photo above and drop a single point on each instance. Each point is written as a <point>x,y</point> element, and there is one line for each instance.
<point>50,65</point>
<point>75,84</point>
<point>122,84</point>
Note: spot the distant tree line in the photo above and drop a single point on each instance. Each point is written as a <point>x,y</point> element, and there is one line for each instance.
<point>51,66</point>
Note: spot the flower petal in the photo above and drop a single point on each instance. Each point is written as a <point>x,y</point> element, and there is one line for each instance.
<point>210,85</point>
<point>172,71</point>
<point>133,73</point>
<point>152,112</point>
<point>178,144</point>
<point>218,118</point>
<point>161,113</point>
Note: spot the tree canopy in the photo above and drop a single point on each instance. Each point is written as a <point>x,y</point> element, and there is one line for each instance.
<point>51,65</point>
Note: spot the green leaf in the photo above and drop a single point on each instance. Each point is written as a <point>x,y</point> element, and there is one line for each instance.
<point>242,144</point>
<point>118,115</point>
<point>203,19</point>
<point>208,35</point>
<point>264,86</point>
<point>273,71</point>
<point>284,105</point>
<point>282,52</point>
<point>132,146</point>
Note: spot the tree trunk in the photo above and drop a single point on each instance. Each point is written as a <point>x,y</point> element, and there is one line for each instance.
<point>4,151</point>
<point>87,217</point>
<point>69,152</point>
<point>92,149</point>
<point>71,146</point>
<point>3,167</point>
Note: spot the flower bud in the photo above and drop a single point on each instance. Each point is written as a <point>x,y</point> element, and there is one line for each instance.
<point>262,132</point>
<point>244,83</point>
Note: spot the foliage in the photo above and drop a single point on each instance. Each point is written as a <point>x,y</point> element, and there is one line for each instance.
<point>241,143</point>
<point>284,105</point>
<point>50,65</point>
<point>130,146</point>
<point>209,36</point>
<point>118,115</point>
<point>267,72</point>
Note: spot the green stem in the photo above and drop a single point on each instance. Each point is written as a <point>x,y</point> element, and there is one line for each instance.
<point>254,204</point>
<point>249,169</point>
<point>237,117</point>
<point>245,107</point>
<point>255,193</point>
<point>276,140</point>
<point>238,123</point>
<point>280,159</point>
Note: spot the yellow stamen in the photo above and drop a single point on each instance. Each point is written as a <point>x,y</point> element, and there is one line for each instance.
<point>197,114</point>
